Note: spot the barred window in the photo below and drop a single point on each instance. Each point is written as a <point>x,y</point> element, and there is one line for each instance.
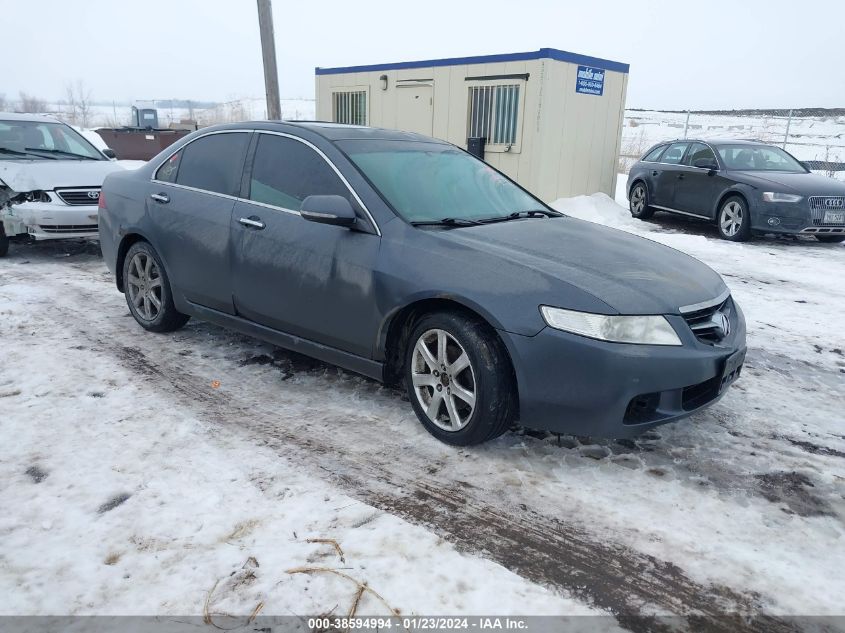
<point>493,113</point>
<point>350,107</point>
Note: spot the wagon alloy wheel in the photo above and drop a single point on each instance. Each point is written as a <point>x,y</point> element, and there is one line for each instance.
<point>144,282</point>
<point>638,199</point>
<point>731,218</point>
<point>443,379</point>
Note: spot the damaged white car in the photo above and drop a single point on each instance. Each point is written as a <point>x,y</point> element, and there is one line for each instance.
<point>50,179</point>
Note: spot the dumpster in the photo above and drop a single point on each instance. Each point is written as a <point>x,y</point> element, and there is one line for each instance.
<point>139,144</point>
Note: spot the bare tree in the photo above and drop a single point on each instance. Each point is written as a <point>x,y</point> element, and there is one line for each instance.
<point>30,104</point>
<point>78,102</point>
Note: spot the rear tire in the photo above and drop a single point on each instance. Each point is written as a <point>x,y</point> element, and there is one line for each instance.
<point>734,220</point>
<point>638,202</point>
<point>4,242</point>
<point>147,290</point>
<point>459,379</point>
<point>831,239</point>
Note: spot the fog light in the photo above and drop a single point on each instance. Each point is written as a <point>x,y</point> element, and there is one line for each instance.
<point>774,221</point>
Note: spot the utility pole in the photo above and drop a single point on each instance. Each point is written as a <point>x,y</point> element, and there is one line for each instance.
<point>268,53</point>
<point>786,136</point>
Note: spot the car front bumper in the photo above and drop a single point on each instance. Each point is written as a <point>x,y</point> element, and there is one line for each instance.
<point>51,220</point>
<point>792,219</point>
<point>576,385</point>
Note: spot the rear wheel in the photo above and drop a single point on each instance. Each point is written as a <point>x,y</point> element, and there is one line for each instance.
<point>147,290</point>
<point>830,239</point>
<point>459,379</point>
<point>4,242</point>
<point>734,220</point>
<point>638,202</point>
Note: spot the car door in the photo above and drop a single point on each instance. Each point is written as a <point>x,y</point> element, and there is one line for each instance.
<point>665,174</point>
<point>698,187</point>
<point>304,278</point>
<point>190,203</point>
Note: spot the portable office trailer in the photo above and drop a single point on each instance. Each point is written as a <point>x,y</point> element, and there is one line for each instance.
<point>550,119</point>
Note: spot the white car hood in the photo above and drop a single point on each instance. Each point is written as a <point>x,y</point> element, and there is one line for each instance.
<point>23,176</point>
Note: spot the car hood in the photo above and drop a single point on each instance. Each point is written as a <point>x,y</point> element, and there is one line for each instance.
<point>630,274</point>
<point>45,175</point>
<point>800,183</point>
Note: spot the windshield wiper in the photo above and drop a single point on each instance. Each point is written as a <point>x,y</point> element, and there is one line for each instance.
<point>57,151</point>
<point>516,215</point>
<point>6,150</point>
<point>447,222</point>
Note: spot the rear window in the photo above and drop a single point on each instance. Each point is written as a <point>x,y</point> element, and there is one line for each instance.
<point>674,153</point>
<point>654,154</point>
<point>213,163</point>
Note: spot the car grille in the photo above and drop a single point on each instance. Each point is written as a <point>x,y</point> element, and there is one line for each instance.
<point>705,323</point>
<point>79,197</point>
<point>69,228</point>
<point>820,204</point>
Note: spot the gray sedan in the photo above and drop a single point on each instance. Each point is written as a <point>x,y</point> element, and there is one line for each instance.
<point>745,187</point>
<point>406,259</point>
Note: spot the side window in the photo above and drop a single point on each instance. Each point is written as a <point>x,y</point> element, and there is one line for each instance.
<point>654,154</point>
<point>285,172</point>
<point>214,163</point>
<point>167,172</point>
<point>674,153</point>
<point>350,107</point>
<point>699,151</point>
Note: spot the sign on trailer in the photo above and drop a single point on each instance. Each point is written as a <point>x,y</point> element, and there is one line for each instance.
<point>590,81</point>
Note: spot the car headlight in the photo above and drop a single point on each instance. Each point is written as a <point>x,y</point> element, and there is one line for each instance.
<point>776,196</point>
<point>643,330</point>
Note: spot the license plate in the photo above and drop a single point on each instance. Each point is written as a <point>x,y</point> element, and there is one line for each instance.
<point>834,217</point>
<point>733,367</point>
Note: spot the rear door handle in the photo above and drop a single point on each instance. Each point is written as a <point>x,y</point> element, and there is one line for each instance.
<point>253,222</point>
<point>163,198</point>
<point>655,172</point>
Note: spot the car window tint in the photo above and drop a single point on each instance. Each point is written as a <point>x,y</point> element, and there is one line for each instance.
<point>699,151</point>
<point>167,172</point>
<point>285,172</point>
<point>654,154</point>
<point>674,153</point>
<point>214,163</point>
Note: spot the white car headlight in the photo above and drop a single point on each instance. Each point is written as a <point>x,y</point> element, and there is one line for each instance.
<point>643,330</point>
<point>776,196</point>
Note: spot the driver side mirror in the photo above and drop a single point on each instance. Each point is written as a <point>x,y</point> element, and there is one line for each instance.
<point>706,163</point>
<point>335,210</point>
<point>109,153</point>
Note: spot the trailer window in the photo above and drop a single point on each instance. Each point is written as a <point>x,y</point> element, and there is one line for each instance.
<point>494,113</point>
<point>350,107</point>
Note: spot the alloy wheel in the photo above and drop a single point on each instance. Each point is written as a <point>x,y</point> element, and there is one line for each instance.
<point>443,379</point>
<point>731,218</point>
<point>144,282</point>
<point>638,199</point>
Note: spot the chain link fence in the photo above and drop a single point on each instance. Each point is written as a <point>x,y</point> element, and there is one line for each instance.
<point>813,135</point>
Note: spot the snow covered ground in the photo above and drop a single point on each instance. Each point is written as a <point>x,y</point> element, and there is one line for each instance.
<point>148,474</point>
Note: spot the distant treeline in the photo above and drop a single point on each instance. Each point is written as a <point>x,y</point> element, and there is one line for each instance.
<point>799,112</point>
<point>165,103</point>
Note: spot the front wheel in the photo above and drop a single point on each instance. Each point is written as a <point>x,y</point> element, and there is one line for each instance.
<point>638,202</point>
<point>459,379</point>
<point>734,220</point>
<point>4,242</point>
<point>147,290</point>
<point>831,239</point>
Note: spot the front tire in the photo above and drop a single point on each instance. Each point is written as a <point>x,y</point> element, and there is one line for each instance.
<point>4,242</point>
<point>734,220</point>
<point>831,239</point>
<point>638,202</point>
<point>147,290</point>
<point>459,379</point>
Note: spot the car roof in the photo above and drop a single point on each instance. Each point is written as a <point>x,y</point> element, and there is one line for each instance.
<point>330,131</point>
<point>715,142</point>
<point>24,116</point>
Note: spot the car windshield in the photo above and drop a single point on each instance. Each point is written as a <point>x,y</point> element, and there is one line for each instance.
<point>758,158</point>
<point>43,140</point>
<point>427,182</point>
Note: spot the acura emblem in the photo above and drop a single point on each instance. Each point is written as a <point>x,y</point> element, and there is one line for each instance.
<point>93,195</point>
<point>834,203</point>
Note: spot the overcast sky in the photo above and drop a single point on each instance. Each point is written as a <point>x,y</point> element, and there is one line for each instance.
<point>683,54</point>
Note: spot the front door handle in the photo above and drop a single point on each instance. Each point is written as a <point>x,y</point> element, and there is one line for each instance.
<point>163,198</point>
<point>253,222</point>
<point>680,176</point>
